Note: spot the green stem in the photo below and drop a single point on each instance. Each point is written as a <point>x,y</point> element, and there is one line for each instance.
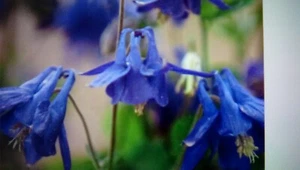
<point>204,43</point>
<point>115,107</point>
<point>88,136</point>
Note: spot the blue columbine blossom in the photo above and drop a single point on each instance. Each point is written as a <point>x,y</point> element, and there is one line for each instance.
<point>84,21</point>
<point>132,80</point>
<point>35,122</point>
<point>254,77</point>
<point>234,129</point>
<point>177,9</point>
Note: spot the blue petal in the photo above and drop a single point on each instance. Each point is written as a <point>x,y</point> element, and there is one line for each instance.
<point>148,7</point>
<point>172,67</point>
<point>210,113</point>
<point>64,148</point>
<point>121,49</point>
<point>194,6</point>
<point>194,154</point>
<point>159,86</point>
<point>25,113</point>
<point>115,90</point>
<point>134,57</point>
<point>137,89</point>
<point>59,104</point>
<point>98,69</point>
<point>228,156</point>
<point>111,74</point>
<point>30,153</point>
<point>12,96</point>
<point>153,61</point>
<point>34,83</point>
<point>220,4</point>
<point>233,122</point>
<point>248,104</point>
<point>41,118</point>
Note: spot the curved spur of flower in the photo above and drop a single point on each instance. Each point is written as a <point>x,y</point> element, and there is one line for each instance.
<point>248,104</point>
<point>13,96</point>
<point>25,113</point>
<point>200,138</point>
<point>210,114</point>
<point>234,122</point>
<point>48,125</point>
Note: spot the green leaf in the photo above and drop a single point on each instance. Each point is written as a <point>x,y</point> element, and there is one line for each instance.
<point>179,131</point>
<point>210,12</point>
<point>130,131</point>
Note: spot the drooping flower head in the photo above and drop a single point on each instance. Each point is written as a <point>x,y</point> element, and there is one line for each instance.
<point>234,128</point>
<point>177,9</point>
<point>35,121</point>
<point>135,81</point>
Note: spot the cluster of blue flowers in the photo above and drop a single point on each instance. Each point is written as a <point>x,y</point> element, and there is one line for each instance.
<point>33,119</point>
<point>177,9</point>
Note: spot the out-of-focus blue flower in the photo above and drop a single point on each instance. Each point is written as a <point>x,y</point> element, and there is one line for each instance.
<point>34,121</point>
<point>84,21</point>
<point>235,129</point>
<point>177,9</point>
<point>135,81</point>
<point>254,77</point>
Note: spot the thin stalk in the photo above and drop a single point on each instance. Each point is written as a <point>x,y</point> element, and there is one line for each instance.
<point>88,136</point>
<point>115,107</point>
<point>204,42</point>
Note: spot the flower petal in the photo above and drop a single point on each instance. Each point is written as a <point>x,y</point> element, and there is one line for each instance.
<point>12,96</point>
<point>137,89</point>
<point>30,153</point>
<point>25,113</point>
<point>98,69</point>
<point>172,67</point>
<point>194,6</point>
<point>64,148</point>
<point>115,90</point>
<point>210,113</point>
<point>194,154</point>
<point>134,56</point>
<point>41,118</point>
<point>144,2</point>
<point>233,122</point>
<point>34,83</point>
<point>228,156</point>
<point>121,49</point>
<point>159,86</point>
<point>110,75</point>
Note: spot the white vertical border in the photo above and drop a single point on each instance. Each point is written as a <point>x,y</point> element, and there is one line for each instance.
<point>282,84</point>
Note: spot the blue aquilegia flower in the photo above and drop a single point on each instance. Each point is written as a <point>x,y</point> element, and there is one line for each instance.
<point>84,21</point>
<point>234,129</point>
<point>254,77</point>
<point>135,81</point>
<point>37,122</point>
<point>177,9</point>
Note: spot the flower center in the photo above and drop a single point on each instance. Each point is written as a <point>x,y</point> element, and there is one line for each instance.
<point>245,146</point>
<point>20,132</point>
<point>139,108</point>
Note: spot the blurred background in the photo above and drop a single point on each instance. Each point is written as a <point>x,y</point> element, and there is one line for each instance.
<point>35,34</point>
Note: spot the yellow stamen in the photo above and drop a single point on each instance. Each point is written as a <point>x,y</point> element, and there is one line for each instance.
<point>138,109</point>
<point>245,146</point>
